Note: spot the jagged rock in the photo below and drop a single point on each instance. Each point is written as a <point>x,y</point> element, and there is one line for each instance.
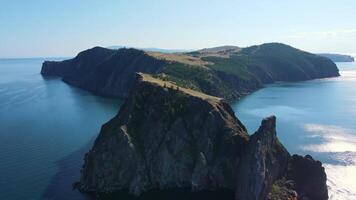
<point>166,137</point>
<point>283,189</point>
<point>305,179</point>
<point>309,177</point>
<point>264,161</point>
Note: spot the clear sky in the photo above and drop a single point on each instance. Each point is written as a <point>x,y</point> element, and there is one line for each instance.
<point>42,28</point>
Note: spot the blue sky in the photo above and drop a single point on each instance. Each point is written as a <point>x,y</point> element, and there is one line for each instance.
<point>43,28</point>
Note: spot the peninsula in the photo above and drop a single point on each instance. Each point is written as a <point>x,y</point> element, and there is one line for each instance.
<point>229,72</point>
<point>176,134</point>
<point>183,144</point>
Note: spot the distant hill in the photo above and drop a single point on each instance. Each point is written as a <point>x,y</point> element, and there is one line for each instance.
<point>228,71</point>
<point>338,57</point>
<point>154,49</point>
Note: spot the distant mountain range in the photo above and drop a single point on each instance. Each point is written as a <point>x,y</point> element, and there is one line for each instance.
<point>337,57</point>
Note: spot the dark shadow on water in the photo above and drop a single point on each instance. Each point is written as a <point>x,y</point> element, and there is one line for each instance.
<point>50,78</point>
<point>60,186</point>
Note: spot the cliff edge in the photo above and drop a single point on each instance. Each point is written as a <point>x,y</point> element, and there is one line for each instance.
<point>228,72</point>
<point>168,138</point>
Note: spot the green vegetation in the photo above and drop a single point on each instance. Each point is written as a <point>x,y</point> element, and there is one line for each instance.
<point>228,71</point>
<point>232,73</point>
<point>279,191</point>
<point>198,78</point>
<point>184,75</point>
<point>236,65</point>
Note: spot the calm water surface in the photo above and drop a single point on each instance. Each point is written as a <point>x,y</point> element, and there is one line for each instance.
<point>47,126</point>
<point>314,117</point>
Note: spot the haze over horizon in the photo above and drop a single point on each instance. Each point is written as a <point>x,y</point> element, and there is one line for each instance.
<point>50,29</point>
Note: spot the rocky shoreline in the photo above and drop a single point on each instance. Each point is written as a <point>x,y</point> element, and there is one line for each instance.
<point>176,137</point>
<point>229,72</point>
<point>166,138</point>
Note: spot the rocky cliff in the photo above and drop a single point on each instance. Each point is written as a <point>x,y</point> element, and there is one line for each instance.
<point>264,161</point>
<point>229,72</point>
<point>168,138</point>
<point>164,138</point>
<point>103,71</point>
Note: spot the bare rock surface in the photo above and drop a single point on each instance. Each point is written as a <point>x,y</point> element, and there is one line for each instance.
<point>172,140</point>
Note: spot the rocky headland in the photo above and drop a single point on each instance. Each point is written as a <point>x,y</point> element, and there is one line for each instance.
<point>189,145</point>
<point>176,136</point>
<point>228,71</point>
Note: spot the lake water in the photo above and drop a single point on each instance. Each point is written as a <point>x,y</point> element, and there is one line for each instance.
<point>47,126</point>
<point>313,117</point>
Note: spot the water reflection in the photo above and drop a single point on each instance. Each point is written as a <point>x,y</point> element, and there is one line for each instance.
<point>333,138</point>
<point>313,117</point>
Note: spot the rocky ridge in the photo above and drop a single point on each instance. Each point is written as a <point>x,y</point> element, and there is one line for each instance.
<point>168,138</point>
<point>228,72</point>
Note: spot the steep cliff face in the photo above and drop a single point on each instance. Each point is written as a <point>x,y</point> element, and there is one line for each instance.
<point>307,174</point>
<point>304,179</point>
<point>85,62</point>
<point>165,138</point>
<point>267,171</point>
<point>264,161</point>
<point>228,72</point>
<point>168,138</point>
<point>103,71</point>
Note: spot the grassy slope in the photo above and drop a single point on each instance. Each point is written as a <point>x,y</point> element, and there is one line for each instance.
<point>229,72</point>
<point>233,73</point>
<point>198,78</point>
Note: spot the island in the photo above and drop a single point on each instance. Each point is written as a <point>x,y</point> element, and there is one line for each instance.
<point>169,142</point>
<point>338,57</point>
<point>229,72</point>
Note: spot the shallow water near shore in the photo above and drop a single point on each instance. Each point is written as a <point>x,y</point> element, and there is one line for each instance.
<point>313,117</point>
<point>46,127</point>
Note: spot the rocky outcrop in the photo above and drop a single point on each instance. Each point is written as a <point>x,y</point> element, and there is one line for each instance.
<point>228,72</point>
<point>267,170</point>
<point>166,137</point>
<point>308,176</point>
<point>103,71</point>
<point>264,161</point>
<point>305,179</point>
<point>169,139</point>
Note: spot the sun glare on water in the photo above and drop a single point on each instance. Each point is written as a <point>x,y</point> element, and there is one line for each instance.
<point>341,143</point>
